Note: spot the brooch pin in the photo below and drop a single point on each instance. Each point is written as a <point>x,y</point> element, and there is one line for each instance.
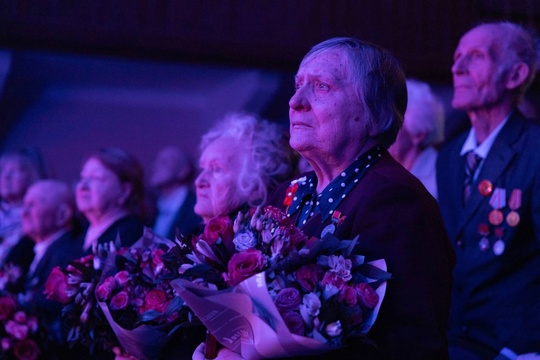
<point>514,203</point>
<point>337,218</point>
<point>497,202</point>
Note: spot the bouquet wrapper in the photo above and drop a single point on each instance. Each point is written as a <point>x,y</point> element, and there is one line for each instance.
<point>245,319</point>
<point>144,342</point>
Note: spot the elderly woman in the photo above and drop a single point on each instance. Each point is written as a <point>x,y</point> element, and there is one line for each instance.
<point>242,160</point>
<point>109,194</point>
<point>347,109</point>
<point>422,131</point>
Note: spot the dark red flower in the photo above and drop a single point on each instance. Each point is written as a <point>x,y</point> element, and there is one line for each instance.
<point>56,286</point>
<point>26,349</point>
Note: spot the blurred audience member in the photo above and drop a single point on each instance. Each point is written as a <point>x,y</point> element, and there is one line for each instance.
<point>48,219</point>
<point>489,194</point>
<point>109,194</point>
<point>422,130</point>
<point>172,176</point>
<point>243,159</point>
<point>18,170</point>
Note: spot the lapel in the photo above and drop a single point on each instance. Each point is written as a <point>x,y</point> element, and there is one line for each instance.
<point>496,164</point>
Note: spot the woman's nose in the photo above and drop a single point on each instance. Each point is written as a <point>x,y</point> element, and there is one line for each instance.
<point>299,101</point>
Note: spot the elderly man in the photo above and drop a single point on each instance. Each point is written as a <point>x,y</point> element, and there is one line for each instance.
<point>347,109</point>
<point>172,173</point>
<point>47,218</point>
<point>489,194</point>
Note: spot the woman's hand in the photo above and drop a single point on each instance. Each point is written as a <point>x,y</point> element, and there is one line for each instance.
<point>223,354</point>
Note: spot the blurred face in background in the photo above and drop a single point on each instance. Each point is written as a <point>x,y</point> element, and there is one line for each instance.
<point>40,215</point>
<point>99,191</point>
<point>15,178</point>
<point>217,184</point>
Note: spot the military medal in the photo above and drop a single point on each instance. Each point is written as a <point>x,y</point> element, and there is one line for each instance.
<point>498,247</point>
<point>514,203</point>
<point>483,230</point>
<point>497,202</point>
<point>485,187</point>
<point>337,219</point>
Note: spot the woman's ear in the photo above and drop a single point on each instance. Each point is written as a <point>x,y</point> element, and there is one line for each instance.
<point>517,75</point>
<point>127,188</point>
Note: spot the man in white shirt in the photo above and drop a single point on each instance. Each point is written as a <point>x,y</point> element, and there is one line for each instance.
<point>171,176</point>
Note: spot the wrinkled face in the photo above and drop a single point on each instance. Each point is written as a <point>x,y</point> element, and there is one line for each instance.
<point>14,180</point>
<point>478,81</point>
<point>39,215</point>
<point>99,190</point>
<point>217,184</point>
<point>165,168</point>
<point>325,110</point>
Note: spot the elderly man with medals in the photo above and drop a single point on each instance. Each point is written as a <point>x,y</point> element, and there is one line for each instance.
<point>489,194</point>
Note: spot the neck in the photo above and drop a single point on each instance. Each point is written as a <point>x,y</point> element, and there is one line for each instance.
<point>96,219</point>
<point>484,121</point>
<point>328,166</point>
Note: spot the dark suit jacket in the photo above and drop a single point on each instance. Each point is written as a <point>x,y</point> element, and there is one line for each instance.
<point>129,229</point>
<point>186,221</point>
<point>399,221</point>
<point>496,299</point>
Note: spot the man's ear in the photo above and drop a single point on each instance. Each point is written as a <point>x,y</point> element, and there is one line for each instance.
<point>517,75</point>
<point>63,215</point>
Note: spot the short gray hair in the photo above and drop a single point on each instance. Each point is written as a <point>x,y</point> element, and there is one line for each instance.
<point>379,81</point>
<point>270,159</point>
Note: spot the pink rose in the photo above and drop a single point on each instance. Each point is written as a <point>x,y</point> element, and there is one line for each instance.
<point>5,343</point>
<point>245,264</point>
<point>219,227</point>
<point>26,350</point>
<point>331,278</point>
<point>104,290</point>
<point>288,299</point>
<point>122,278</point>
<point>156,256</point>
<point>368,297</point>
<point>7,307</point>
<point>120,301</point>
<point>294,322</point>
<point>348,295</point>
<point>18,331</point>
<point>154,300</point>
<point>308,276</point>
<point>56,286</point>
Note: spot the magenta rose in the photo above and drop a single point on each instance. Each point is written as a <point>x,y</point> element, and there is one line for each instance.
<point>7,307</point>
<point>105,289</point>
<point>288,299</point>
<point>348,296</point>
<point>154,300</point>
<point>245,264</point>
<point>56,286</point>
<point>331,278</point>
<point>308,276</point>
<point>219,227</point>
<point>120,301</point>
<point>122,278</point>
<point>26,350</point>
<point>294,322</point>
<point>368,297</point>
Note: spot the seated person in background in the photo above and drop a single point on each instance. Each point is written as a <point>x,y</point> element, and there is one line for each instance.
<point>422,131</point>
<point>109,194</point>
<point>242,160</point>
<point>48,219</point>
<point>18,170</point>
<point>172,176</point>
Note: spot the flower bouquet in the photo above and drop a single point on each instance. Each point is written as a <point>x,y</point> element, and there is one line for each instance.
<point>74,288</point>
<point>279,293</point>
<point>136,298</point>
<point>20,333</point>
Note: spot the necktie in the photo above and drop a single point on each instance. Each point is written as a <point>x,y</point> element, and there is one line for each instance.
<point>471,163</point>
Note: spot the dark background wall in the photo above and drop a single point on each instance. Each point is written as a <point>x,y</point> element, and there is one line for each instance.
<point>141,74</point>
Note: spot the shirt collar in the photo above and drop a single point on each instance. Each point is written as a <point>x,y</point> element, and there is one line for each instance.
<point>482,150</point>
<point>309,202</point>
